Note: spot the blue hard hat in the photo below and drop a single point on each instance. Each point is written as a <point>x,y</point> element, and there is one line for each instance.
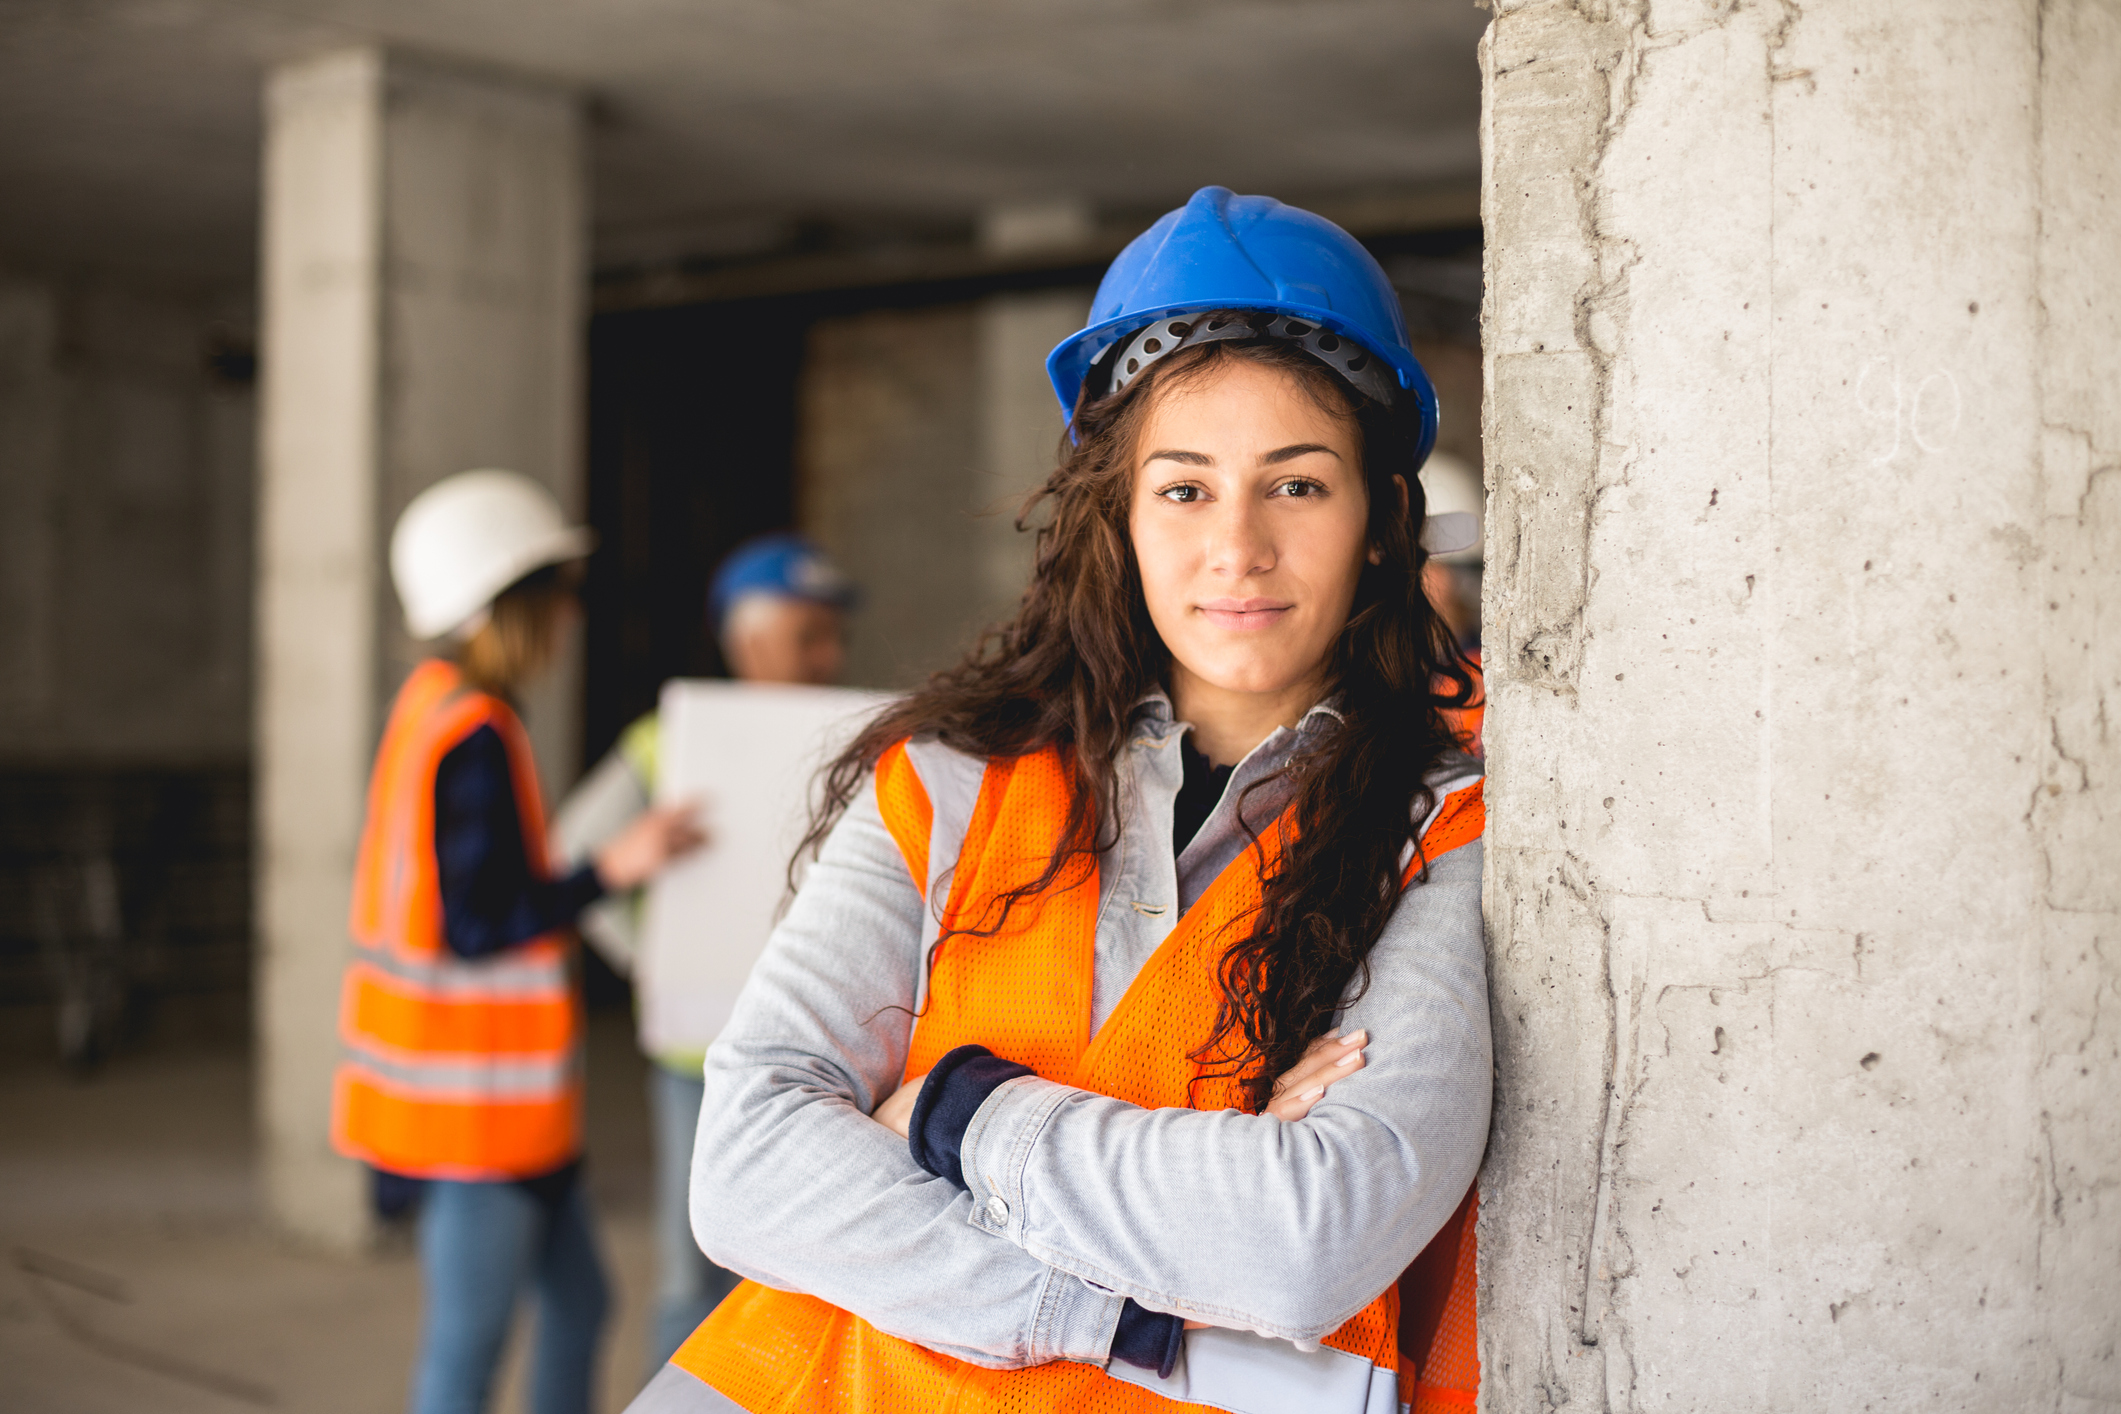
<point>784,565</point>
<point>1223,251</point>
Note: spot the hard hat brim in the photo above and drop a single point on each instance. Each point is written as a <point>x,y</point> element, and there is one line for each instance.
<point>1070,362</point>
<point>1450,533</point>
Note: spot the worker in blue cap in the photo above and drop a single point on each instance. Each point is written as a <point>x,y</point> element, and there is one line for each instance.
<point>779,611</point>
<point>778,607</point>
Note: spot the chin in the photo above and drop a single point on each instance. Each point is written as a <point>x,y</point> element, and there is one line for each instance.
<point>1246,677</point>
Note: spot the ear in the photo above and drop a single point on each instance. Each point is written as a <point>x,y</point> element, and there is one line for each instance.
<point>1377,554</point>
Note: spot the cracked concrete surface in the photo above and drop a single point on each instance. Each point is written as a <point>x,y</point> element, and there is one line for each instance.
<point>1803,338</point>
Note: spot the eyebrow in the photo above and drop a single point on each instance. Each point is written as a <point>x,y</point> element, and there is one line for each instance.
<point>1273,458</point>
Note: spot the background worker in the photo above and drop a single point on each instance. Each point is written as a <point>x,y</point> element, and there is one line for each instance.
<point>463,1074</point>
<point>778,608</point>
<point>1452,576</point>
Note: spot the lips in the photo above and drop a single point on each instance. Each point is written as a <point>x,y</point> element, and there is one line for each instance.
<point>1244,614</point>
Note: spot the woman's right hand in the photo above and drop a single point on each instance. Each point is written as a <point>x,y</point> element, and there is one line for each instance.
<point>1330,1058</point>
<point>655,838</point>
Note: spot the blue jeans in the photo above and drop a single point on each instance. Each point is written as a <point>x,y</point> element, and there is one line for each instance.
<point>688,1286</point>
<point>481,1245</point>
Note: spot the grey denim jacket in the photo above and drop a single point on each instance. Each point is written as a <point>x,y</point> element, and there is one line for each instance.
<point>1078,1201</point>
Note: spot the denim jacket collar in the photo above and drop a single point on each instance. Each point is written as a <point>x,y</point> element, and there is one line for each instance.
<point>1154,713</point>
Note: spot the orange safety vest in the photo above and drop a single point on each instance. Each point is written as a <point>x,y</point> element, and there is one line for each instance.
<point>1025,993</point>
<point>1465,722</point>
<point>459,1068</point>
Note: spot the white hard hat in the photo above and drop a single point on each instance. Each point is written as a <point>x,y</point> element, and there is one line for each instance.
<point>468,537</point>
<point>1452,531</point>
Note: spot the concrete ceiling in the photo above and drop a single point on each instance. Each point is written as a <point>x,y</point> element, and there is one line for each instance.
<point>129,128</point>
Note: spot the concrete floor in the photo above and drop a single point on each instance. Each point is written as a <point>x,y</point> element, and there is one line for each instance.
<point>136,1273</point>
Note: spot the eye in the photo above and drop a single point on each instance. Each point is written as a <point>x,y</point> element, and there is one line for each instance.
<point>1183,493</point>
<point>1300,486</point>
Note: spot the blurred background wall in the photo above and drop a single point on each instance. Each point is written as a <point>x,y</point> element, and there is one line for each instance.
<point>127,422</point>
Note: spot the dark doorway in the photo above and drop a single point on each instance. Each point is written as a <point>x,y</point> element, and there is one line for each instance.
<point>691,451</point>
<point>692,445</point>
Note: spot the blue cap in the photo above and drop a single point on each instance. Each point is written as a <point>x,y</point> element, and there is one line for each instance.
<point>784,565</point>
<point>1224,251</point>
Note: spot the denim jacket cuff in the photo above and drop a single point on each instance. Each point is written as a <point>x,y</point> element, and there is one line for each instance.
<point>1076,1320</point>
<point>997,1148</point>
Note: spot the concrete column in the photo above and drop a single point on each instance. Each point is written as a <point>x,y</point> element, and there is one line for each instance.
<point>922,432</point>
<point>32,394</point>
<point>423,286</point>
<point>1020,427</point>
<point>886,445</point>
<point>1804,647</point>
<point>1020,420</point>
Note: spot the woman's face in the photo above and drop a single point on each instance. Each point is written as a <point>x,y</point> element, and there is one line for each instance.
<point>1249,521</point>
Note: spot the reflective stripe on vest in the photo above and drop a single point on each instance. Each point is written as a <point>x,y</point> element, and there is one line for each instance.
<point>466,1068</point>
<point>1024,990</point>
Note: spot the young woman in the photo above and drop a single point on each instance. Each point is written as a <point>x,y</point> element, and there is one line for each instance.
<point>462,1083</point>
<point>1126,1045</point>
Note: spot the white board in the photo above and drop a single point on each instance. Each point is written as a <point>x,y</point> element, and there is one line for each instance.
<point>748,752</point>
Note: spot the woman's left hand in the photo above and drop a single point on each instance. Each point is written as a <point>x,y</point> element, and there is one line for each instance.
<point>896,1113</point>
<point>1329,1058</point>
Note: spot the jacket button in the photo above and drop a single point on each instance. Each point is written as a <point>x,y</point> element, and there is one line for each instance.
<point>998,1209</point>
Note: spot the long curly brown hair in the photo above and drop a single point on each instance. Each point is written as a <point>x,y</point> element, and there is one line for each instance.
<point>1069,669</point>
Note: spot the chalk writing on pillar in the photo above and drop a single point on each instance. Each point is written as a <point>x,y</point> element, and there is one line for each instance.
<point>1928,417</point>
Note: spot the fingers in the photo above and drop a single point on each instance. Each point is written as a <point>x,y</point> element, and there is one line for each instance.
<point>896,1113</point>
<point>1327,1060</point>
<point>681,830</point>
<point>683,835</point>
<point>655,838</point>
<point>687,809</point>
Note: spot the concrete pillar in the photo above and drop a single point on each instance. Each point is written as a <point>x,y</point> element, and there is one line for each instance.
<point>32,443</point>
<point>423,288</point>
<point>922,432</point>
<point>1020,427</point>
<point>886,447</point>
<point>1804,639</point>
<point>1020,420</point>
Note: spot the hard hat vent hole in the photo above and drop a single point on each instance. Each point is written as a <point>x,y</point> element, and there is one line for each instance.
<point>1179,331</point>
<point>1297,331</point>
<point>1134,365</point>
<point>1358,363</point>
<point>1215,324</point>
<point>1328,342</point>
<point>1153,346</point>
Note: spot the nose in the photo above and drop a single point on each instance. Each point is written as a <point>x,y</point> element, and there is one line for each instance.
<point>1240,541</point>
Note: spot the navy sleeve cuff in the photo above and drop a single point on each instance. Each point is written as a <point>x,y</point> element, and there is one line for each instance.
<point>579,890</point>
<point>1148,1340</point>
<point>960,1083</point>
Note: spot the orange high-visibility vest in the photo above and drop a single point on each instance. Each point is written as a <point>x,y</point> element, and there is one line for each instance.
<point>459,1068</point>
<point>1465,722</point>
<point>1025,993</point>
